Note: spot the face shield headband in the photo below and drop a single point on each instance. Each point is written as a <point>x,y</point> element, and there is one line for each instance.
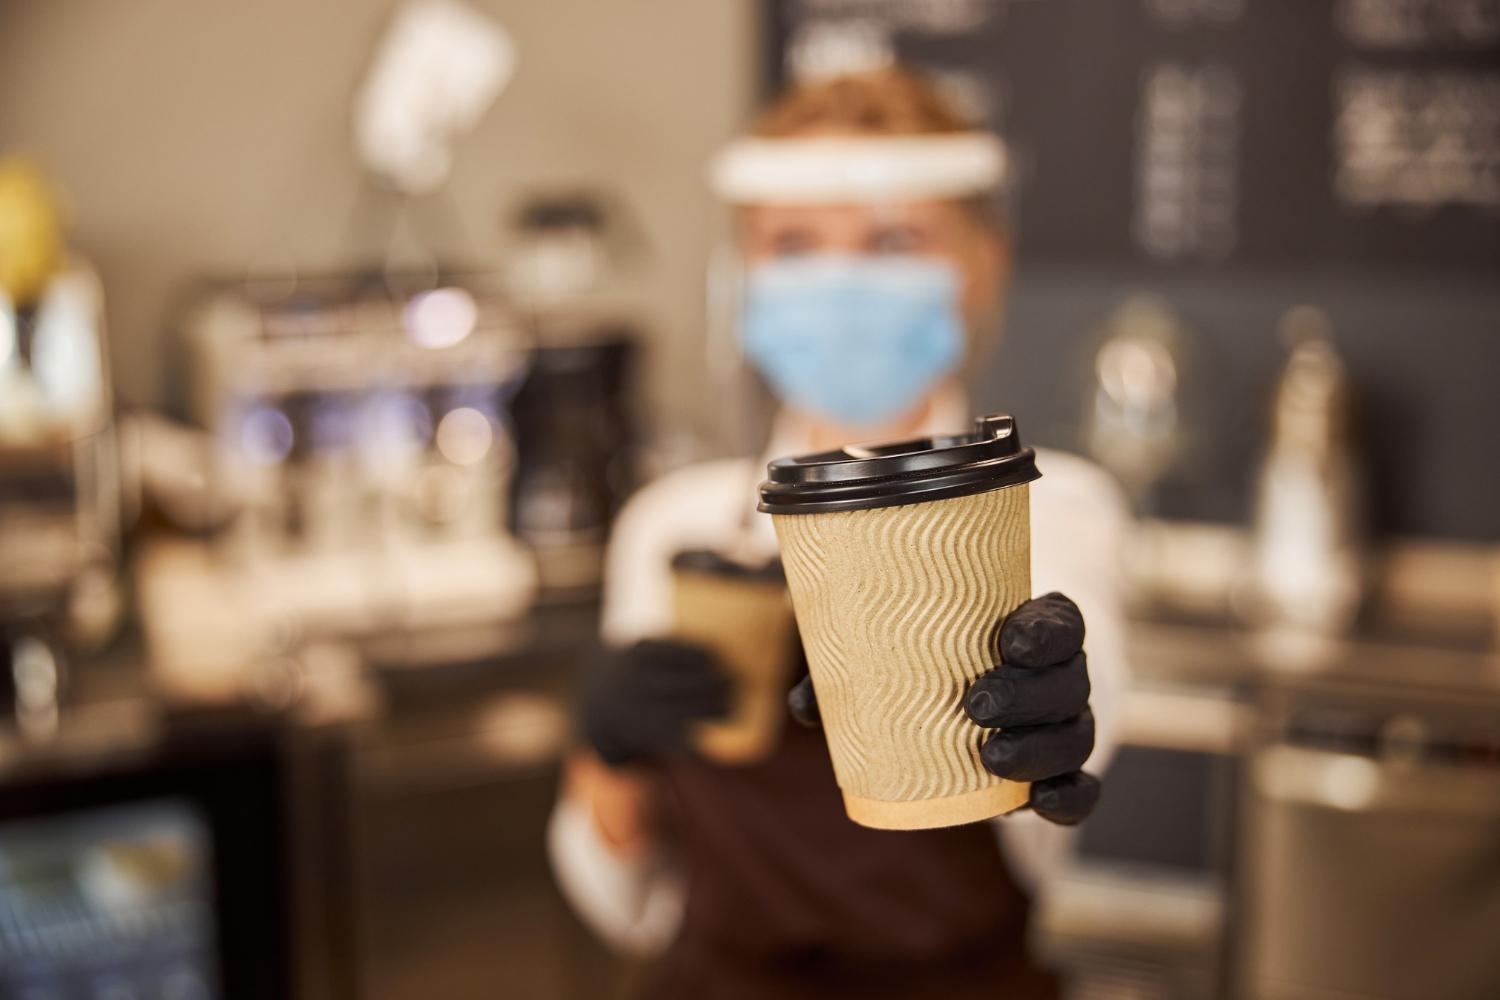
<point>842,169</point>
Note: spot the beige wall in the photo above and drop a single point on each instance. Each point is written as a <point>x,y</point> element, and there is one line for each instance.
<point>199,136</point>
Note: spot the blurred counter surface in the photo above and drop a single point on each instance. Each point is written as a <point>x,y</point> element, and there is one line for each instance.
<point>114,713</point>
<point>1194,686</point>
<point>1429,627</point>
<point>1196,674</point>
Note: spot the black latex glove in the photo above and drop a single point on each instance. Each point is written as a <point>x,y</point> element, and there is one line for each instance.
<point>640,702</point>
<point>1039,697</point>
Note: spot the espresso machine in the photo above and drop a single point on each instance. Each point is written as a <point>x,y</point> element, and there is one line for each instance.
<point>358,473</point>
<point>577,430</point>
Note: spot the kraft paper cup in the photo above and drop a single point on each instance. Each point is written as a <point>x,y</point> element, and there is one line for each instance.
<point>743,616</point>
<point>902,560</point>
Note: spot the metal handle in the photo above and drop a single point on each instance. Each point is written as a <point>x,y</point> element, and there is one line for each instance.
<point>1354,784</point>
<point>37,675</point>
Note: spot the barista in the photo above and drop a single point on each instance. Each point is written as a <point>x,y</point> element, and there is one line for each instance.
<point>866,197</point>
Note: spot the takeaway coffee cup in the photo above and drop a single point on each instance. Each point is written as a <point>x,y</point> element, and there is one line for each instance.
<point>902,560</point>
<point>741,613</point>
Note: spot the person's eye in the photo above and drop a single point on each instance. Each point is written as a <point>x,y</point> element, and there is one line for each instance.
<point>793,243</point>
<point>895,240</point>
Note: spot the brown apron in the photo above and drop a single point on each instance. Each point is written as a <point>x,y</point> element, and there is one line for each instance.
<point>788,898</point>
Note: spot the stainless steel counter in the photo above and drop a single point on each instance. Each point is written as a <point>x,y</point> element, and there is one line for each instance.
<point>1243,754</point>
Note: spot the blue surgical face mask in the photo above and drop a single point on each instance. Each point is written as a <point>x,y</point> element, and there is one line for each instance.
<point>856,340</point>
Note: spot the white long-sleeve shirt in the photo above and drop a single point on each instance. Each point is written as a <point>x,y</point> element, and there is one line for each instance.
<point>1078,523</point>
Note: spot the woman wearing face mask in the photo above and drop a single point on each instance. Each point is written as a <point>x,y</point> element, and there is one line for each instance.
<point>875,268</point>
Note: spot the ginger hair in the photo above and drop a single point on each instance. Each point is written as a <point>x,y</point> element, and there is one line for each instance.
<point>893,101</point>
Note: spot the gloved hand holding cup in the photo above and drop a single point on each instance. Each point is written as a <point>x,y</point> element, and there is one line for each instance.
<point>903,561</point>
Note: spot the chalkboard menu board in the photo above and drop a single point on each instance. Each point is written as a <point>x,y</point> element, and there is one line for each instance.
<point>1238,157</point>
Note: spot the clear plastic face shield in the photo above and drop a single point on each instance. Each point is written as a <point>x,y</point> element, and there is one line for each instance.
<point>855,275</point>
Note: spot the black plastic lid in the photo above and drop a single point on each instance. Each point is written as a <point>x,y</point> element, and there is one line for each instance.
<point>860,477</point>
<point>711,563</point>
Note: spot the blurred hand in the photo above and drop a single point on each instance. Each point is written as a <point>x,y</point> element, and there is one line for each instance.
<point>1038,697</point>
<point>642,701</point>
<point>620,800</point>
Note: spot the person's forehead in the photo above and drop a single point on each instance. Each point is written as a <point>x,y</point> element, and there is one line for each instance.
<point>850,213</point>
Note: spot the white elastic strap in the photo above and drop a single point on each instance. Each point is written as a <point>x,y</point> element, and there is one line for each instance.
<point>831,169</point>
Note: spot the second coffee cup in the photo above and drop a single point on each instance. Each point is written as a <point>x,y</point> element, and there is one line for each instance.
<point>902,560</point>
<point>741,614</point>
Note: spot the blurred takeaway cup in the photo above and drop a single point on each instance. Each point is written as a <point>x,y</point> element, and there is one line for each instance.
<point>741,614</point>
